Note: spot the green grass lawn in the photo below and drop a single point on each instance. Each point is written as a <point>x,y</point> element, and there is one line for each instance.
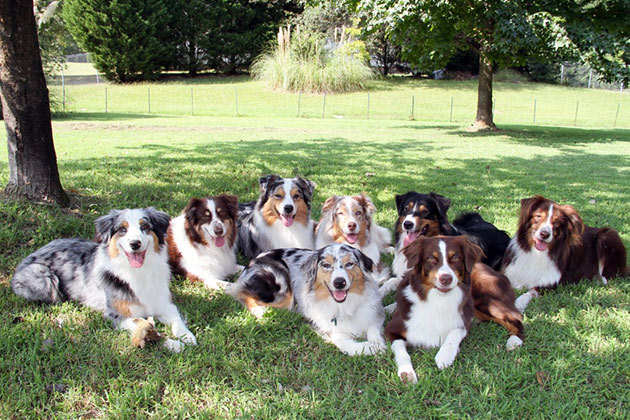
<point>393,99</point>
<point>575,362</point>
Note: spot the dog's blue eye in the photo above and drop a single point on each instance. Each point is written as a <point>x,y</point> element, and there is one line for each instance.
<point>122,231</point>
<point>358,213</point>
<point>278,196</point>
<point>350,265</point>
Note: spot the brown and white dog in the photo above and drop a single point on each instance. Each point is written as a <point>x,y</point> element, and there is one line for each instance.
<point>202,240</point>
<point>349,220</point>
<point>333,289</point>
<point>281,218</point>
<point>553,246</point>
<point>445,287</point>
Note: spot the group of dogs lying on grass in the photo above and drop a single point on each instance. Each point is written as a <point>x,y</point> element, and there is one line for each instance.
<point>444,273</point>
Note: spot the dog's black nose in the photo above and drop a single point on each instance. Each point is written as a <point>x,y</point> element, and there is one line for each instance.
<point>288,208</point>
<point>446,279</point>
<point>339,283</point>
<point>408,224</point>
<point>544,234</point>
<point>135,245</point>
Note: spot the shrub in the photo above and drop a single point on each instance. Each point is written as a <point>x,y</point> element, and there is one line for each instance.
<point>304,64</point>
<point>127,39</point>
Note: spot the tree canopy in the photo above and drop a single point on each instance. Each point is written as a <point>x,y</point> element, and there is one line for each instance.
<point>506,32</point>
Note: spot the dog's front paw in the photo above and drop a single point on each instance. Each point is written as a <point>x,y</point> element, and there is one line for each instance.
<point>408,375</point>
<point>445,357</point>
<point>188,338</point>
<point>513,342</point>
<point>174,345</point>
<point>258,311</point>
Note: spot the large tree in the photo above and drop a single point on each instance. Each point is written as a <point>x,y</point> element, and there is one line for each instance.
<point>506,32</point>
<point>33,172</point>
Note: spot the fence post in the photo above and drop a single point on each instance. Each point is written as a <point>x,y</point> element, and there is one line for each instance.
<point>577,105</point>
<point>97,81</point>
<point>149,98</point>
<point>106,99</point>
<point>63,91</point>
<point>192,104</point>
<point>617,115</point>
<point>450,119</point>
<point>236,99</point>
<point>621,88</point>
<point>561,73</point>
<point>368,107</point>
<point>324,106</point>
<point>413,105</point>
<point>590,77</point>
<point>299,100</point>
<point>534,110</point>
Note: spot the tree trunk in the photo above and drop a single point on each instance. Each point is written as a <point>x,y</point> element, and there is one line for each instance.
<point>33,170</point>
<point>484,120</point>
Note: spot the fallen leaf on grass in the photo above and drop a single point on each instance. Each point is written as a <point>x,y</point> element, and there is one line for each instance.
<point>542,378</point>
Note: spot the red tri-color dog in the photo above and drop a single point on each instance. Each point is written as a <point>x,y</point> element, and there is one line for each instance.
<point>553,246</point>
<point>444,288</point>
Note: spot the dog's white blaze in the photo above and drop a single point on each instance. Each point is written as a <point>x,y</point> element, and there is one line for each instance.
<point>432,319</point>
<point>133,217</point>
<point>445,268</point>
<point>547,226</point>
<point>530,268</point>
<point>347,203</point>
<point>288,199</point>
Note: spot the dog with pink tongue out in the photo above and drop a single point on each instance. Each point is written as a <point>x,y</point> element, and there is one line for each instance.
<point>202,240</point>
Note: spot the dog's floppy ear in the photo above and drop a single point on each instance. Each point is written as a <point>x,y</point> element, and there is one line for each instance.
<point>105,226</point>
<point>367,203</point>
<point>400,201</point>
<point>309,267</point>
<point>472,253</point>
<point>442,204</point>
<point>575,225</point>
<point>307,187</point>
<point>366,263</point>
<point>191,219</point>
<point>231,203</point>
<point>329,204</point>
<point>413,252</point>
<point>266,180</point>
<point>159,221</point>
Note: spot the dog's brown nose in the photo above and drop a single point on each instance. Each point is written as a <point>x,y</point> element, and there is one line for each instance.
<point>352,226</point>
<point>544,234</point>
<point>446,279</point>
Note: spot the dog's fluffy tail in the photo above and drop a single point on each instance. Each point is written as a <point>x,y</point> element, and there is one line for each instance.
<point>37,282</point>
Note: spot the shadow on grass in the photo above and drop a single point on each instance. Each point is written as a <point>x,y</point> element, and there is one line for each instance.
<point>107,116</point>
<point>550,136</point>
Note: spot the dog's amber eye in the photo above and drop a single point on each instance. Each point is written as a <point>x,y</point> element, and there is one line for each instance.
<point>296,197</point>
<point>325,265</point>
<point>431,260</point>
<point>145,228</point>
<point>455,258</point>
